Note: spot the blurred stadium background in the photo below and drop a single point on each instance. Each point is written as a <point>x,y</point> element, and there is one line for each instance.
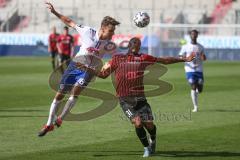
<point>25,24</point>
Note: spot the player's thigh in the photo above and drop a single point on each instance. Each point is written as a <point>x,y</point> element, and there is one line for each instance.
<point>127,109</point>
<point>83,78</point>
<point>191,78</point>
<point>195,79</point>
<point>68,79</point>
<point>76,90</point>
<point>71,84</point>
<point>145,112</point>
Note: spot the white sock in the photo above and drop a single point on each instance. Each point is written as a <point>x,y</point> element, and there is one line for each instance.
<point>52,112</point>
<point>194,96</point>
<point>68,106</point>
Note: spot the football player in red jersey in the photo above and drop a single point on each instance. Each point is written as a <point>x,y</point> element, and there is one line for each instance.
<point>65,46</point>
<point>129,72</point>
<point>52,46</point>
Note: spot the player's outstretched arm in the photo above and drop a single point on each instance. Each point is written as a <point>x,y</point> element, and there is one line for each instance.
<point>63,18</point>
<point>171,60</point>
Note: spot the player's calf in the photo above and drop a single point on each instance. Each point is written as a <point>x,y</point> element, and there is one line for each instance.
<point>151,128</point>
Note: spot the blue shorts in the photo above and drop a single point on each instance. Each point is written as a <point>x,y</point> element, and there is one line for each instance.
<point>195,77</point>
<point>74,76</point>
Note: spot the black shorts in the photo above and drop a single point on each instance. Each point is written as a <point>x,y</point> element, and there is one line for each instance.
<point>54,54</point>
<point>136,106</point>
<point>65,58</point>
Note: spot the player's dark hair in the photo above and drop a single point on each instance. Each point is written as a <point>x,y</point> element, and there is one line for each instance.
<point>134,38</point>
<point>109,21</point>
<point>65,28</point>
<point>194,30</point>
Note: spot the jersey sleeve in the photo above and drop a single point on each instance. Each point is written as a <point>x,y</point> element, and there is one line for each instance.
<point>110,48</point>
<point>182,51</point>
<point>81,29</point>
<point>150,59</point>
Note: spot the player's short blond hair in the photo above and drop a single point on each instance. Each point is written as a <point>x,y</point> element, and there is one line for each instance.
<point>109,21</point>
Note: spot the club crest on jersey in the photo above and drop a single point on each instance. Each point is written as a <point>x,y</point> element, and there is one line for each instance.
<point>110,46</point>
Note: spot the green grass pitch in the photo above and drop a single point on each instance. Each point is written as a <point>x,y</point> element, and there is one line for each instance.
<point>212,133</point>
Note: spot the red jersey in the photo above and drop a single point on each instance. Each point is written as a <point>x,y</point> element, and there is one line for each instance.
<point>53,39</point>
<point>65,44</point>
<point>129,73</point>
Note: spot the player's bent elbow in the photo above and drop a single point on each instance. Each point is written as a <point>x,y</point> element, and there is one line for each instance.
<point>68,22</point>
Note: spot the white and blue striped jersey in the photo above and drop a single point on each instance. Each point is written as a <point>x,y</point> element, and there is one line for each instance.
<point>197,64</point>
<point>89,39</point>
<point>92,48</point>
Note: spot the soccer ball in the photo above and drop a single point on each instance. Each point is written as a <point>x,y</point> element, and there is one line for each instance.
<point>141,19</point>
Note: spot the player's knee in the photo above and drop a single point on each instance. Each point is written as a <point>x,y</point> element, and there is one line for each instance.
<point>59,96</point>
<point>149,125</point>
<point>137,122</point>
<point>77,89</point>
<point>138,125</point>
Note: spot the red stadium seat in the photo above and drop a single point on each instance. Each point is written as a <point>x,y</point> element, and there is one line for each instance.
<point>221,10</point>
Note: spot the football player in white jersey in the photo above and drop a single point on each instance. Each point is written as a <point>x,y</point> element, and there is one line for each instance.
<point>74,80</point>
<point>194,69</point>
